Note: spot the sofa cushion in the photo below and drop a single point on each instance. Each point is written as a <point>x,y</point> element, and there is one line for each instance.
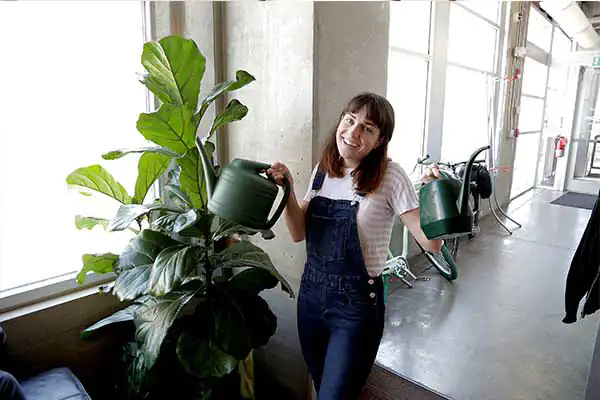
<point>55,384</point>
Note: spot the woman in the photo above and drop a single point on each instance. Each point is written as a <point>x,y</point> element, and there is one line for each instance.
<point>346,218</point>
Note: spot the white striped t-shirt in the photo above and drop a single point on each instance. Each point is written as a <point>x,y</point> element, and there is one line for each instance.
<point>376,211</point>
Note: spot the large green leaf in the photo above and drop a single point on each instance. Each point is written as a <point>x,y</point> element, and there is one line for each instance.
<point>116,154</point>
<point>82,222</point>
<point>253,281</point>
<point>126,314</point>
<point>202,357</point>
<point>234,111</point>
<point>175,68</point>
<point>185,220</point>
<point>132,283</point>
<point>96,178</point>
<point>228,228</point>
<point>242,322</point>
<point>191,178</point>
<point>172,267</point>
<point>153,320</point>
<point>98,263</point>
<point>247,254</point>
<point>242,78</point>
<point>173,190</point>
<point>150,167</point>
<point>170,126</point>
<point>127,213</point>
<point>135,263</point>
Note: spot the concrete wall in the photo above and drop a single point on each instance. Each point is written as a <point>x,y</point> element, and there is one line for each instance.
<point>273,41</point>
<point>309,59</point>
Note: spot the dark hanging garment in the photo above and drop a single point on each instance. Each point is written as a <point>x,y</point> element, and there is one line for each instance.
<point>583,279</point>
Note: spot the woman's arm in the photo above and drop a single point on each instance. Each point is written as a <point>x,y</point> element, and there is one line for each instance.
<point>294,212</point>
<point>295,218</point>
<point>412,220</point>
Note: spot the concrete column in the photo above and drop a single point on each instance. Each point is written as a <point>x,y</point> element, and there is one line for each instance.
<point>309,59</point>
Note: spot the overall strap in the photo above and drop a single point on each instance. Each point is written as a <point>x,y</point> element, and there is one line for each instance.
<point>319,179</point>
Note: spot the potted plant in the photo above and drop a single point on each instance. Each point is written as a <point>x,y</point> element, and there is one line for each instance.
<point>190,280</point>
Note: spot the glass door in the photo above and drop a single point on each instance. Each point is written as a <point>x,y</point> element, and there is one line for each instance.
<point>531,119</point>
<point>584,156</point>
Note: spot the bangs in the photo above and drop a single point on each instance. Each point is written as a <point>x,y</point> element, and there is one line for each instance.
<point>375,112</point>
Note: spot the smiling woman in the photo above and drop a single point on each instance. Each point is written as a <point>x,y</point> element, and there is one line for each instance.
<point>346,217</point>
<point>69,93</point>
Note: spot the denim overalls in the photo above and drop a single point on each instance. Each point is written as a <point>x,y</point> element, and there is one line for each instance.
<point>340,307</point>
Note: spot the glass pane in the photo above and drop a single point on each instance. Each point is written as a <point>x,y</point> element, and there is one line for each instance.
<point>407,92</point>
<point>472,41</point>
<point>555,112</point>
<point>465,114</point>
<point>561,44</point>
<point>530,118</point>
<point>539,30</point>
<point>525,163</point>
<point>409,25</point>
<point>90,100</point>
<point>558,77</point>
<point>486,8</point>
<point>534,78</point>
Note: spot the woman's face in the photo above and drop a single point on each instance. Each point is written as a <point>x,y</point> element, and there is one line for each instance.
<point>356,136</point>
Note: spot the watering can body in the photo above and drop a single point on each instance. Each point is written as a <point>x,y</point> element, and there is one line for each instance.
<point>445,211</point>
<point>240,193</point>
<point>441,217</point>
<point>244,196</point>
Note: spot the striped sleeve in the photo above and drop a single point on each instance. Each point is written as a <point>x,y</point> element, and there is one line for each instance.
<point>403,196</point>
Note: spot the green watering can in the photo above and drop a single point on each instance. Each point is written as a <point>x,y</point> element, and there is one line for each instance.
<point>444,203</point>
<point>240,194</point>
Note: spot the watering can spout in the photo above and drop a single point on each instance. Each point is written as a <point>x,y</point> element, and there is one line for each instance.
<point>210,175</point>
<point>463,197</point>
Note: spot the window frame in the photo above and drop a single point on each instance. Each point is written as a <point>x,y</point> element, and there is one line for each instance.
<point>428,59</point>
<point>439,67</point>
<point>64,284</point>
<point>545,58</point>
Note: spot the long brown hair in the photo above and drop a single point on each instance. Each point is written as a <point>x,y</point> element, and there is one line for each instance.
<point>369,174</point>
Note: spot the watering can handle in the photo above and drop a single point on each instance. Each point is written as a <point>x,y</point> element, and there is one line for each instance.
<point>260,167</point>
<point>287,188</point>
<point>463,197</point>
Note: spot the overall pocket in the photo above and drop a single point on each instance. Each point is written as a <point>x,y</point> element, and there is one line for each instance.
<point>329,236</point>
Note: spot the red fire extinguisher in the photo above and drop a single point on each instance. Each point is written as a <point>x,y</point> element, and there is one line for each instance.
<point>559,147</point>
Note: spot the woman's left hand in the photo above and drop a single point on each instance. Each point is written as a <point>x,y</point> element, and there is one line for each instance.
<point>431,173</point>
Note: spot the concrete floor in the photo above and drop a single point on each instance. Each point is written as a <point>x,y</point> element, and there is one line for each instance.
<point>496,332</point>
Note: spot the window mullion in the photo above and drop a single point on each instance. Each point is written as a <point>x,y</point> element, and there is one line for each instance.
<point>437,83</point>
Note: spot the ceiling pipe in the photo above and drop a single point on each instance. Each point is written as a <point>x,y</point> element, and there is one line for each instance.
<point>569,16</point>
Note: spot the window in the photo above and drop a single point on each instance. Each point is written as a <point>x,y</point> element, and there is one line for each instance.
<point>539,30</point>
<point>471,40</point>
<point>531,114</point>
<point>534,78</point>
<point>69,95</point>
<point>486,8</point>
<point>408,78</point>
<point>561,44</point>
<point>465,113</point>
<point>409,25</point>
<point>407,83</point>
<point>470,85</point>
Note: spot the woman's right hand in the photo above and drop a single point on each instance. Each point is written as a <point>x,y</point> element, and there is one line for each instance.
<point>279,172</point>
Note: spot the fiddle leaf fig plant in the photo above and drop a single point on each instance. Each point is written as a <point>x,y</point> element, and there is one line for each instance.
<point>183,263</point>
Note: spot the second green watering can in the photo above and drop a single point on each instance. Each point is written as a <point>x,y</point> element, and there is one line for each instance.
<point>240,194</point>
<point>444,203</point>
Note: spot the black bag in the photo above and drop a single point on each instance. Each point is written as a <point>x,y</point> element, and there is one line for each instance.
<point>481,177</point>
